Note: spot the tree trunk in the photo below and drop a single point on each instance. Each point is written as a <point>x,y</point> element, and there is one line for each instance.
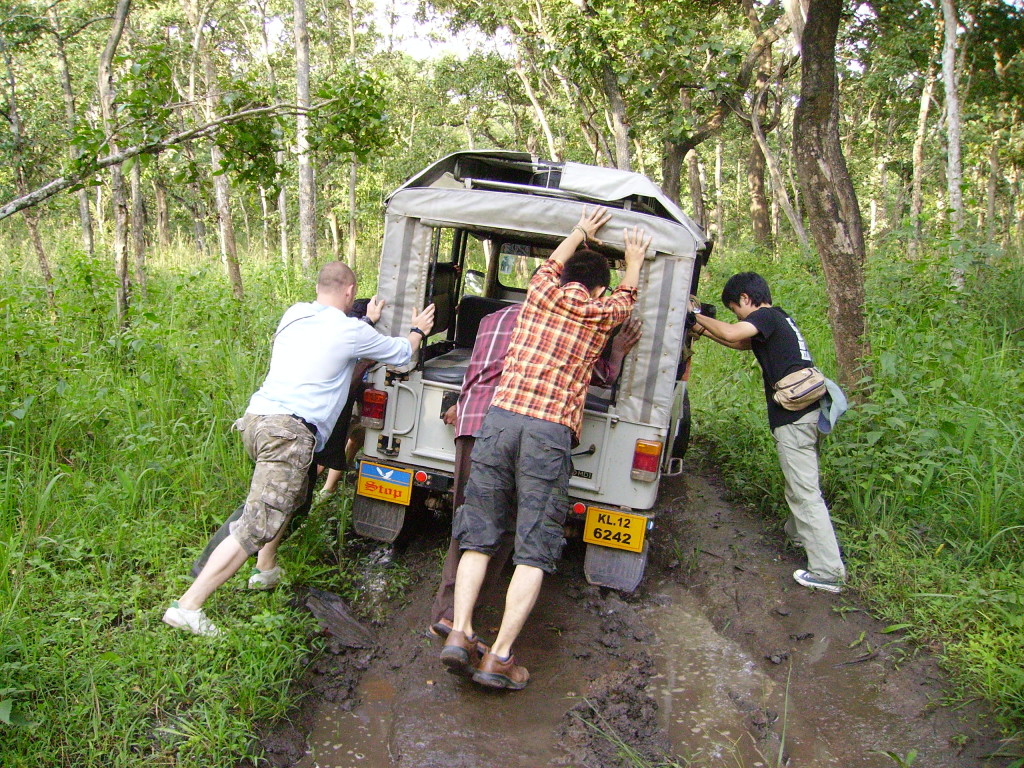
<point>21,183</point>
<point>671,170</point>
<point>101,220</point>
<point>700,213</point>
<point>138,222</point>
<point>994,174</point>
<point>117,191</point>
<point>351,249</point>
<point>265,222</point>
<point>954,171</point>
<point>760,218</point>
<point>84,217</point>
<point>282,195</point>
<point>778,183</point>
<point>620,125</point>
<point>719,196</point>
<point>917,182</point>
<point>163,219</point>
<point>829,196</point>
<point>538,110</point>
<point>221,190</point>
<point>334,227</point>
<point>307,188</point>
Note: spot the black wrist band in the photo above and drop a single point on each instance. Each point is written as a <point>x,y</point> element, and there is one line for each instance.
<point>366,319</point>
<point>420,331</point>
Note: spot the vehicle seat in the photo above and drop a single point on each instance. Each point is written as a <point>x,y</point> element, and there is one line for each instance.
<point>450,368</point>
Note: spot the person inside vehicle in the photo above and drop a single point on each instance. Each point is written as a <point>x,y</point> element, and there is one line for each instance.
<point>780,349</point>
<point>521,461</point>
<point>315,350</point>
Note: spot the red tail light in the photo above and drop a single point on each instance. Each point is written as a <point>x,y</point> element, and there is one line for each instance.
<point>646,458</point>
<point>375,403</point>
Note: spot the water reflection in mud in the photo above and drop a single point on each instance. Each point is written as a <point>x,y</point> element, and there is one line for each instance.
<point>720,707</point>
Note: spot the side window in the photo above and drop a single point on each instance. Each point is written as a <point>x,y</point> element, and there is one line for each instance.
<point>517,262</point>
<point>475,267</point>
<point>444,277</point>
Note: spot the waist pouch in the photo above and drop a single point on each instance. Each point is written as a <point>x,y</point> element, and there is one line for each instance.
<point>800,389</point>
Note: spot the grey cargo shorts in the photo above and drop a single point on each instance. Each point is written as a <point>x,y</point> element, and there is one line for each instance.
<point>518,481</point>
<point>282,447</point>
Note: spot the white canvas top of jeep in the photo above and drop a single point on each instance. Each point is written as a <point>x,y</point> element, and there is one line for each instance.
<point>512,195</point>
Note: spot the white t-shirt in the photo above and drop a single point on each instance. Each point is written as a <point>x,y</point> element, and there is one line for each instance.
<point>315,349</point>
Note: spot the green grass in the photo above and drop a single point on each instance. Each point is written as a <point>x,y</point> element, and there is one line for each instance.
<point>926,476</point>
<point>118,462</point>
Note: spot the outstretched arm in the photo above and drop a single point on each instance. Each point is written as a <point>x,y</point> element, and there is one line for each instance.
<point>637,242</point>
<point>585,231</point>
<point>732,335</point>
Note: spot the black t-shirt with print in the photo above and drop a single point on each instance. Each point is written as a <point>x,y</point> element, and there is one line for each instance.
<point>780,349</point>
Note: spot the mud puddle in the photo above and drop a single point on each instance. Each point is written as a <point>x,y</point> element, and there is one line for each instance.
<point>717,661</point>
<point>411,712</point>
<point>719,705</point>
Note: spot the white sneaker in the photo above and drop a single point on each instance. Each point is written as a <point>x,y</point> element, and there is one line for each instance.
<point>265,579</point>
<point>194,621</point>
<point>807,579</point>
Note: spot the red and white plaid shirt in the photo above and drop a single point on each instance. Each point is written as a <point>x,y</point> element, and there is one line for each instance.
<point>485,366</point>
<point>556,342</point>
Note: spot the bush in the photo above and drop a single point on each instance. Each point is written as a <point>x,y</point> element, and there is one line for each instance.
<point>925,478</point>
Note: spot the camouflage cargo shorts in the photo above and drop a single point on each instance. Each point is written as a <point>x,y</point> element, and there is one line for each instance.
<point>282,447</point>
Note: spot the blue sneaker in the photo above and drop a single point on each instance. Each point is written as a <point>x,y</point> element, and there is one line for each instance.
<point>808,579</point>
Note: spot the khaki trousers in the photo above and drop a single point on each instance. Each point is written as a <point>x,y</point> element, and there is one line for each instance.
<point>810,524</point>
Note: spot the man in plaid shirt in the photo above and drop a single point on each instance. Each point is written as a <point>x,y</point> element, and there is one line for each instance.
<point>522,456</point>
<point>482,376</point>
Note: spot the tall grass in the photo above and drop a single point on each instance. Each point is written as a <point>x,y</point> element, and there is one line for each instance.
<point>925,478</point>
<point>117,464</point>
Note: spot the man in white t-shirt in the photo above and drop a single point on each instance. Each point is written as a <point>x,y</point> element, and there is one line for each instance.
<point>291,416</point>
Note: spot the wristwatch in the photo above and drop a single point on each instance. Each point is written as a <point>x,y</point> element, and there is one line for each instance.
<point>420,331</point>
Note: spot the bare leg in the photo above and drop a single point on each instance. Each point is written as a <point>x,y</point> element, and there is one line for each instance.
<point>519,601</point>
<point>468,579</point>
<point>224,563</point>
<point>266,558</point>
<point>331,483</point>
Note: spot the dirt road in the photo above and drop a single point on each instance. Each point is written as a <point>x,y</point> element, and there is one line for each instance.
<point>719,659</point>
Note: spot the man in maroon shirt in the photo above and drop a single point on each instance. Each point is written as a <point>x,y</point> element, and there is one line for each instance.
<point>478,386</point>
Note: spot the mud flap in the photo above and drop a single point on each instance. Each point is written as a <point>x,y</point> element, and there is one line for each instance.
<point>614,568</point>
<point>377,519</point>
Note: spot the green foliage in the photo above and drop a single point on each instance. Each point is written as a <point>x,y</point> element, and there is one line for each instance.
<point>117,463</point>
<point>355,120</point>
<point>925,477</point>
<point>250,146</point>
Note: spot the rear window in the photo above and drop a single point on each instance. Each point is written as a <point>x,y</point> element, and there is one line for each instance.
<point>518,261</point>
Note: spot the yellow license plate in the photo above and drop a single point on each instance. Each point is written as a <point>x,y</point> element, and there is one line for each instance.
<point>618,530</point>
<point>379,481</point>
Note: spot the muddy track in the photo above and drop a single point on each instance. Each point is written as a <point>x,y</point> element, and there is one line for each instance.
<point>719,659</point>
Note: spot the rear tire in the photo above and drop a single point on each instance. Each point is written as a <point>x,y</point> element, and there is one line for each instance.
<point>682,439</point>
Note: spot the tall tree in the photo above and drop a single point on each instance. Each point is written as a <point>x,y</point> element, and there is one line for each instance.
<point>21,165</point>
<point>954,172</point>
<point>307,187</point>
<point>828,192</point>
<point>71,115</point>
<point>118,196</point>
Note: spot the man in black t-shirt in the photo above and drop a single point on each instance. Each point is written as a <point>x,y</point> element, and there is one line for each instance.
<point>780,349</point>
